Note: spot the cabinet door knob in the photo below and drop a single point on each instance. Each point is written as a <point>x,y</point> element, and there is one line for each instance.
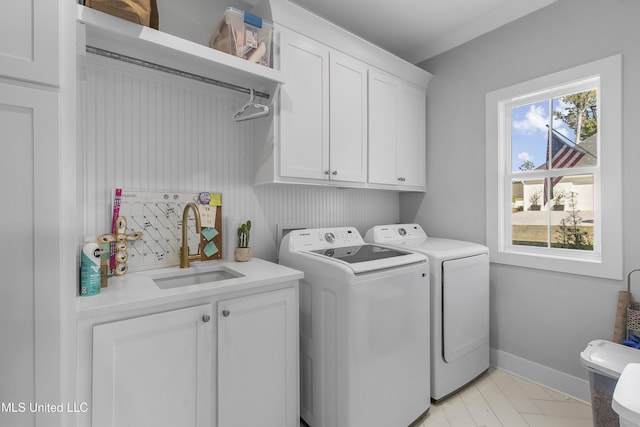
<point>226,313</point>
<point>327,172</point>
<point>334,173</point>
<point>206,318</point>
<point>401,179</point>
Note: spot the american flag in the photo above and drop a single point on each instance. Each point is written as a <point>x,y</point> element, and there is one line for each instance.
<point>563,155</point>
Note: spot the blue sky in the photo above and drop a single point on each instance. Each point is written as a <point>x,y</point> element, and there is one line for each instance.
<point>529,132</point>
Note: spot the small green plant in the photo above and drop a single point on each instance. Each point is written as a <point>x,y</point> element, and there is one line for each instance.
<point>243,234</point>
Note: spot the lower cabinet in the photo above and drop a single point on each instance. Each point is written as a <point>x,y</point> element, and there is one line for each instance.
<point>222,361</point>
<point>258,360</point>
<point>154,370</point>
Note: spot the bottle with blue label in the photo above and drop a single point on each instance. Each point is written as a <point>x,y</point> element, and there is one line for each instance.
<point>90,269</point>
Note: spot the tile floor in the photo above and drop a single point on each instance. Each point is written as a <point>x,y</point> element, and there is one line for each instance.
<point>499,399</point>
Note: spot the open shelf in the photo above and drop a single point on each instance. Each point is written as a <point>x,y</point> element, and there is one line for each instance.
<point>111,34</point>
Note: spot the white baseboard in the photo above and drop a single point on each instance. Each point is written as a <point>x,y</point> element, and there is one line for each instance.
<point>543,375</point>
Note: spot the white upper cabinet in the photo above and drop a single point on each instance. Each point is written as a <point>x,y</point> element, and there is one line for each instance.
<point>304,108</point>
<point>397,132</point>
<point>348,119</point>
<point>384,98</point>
<point>412,136</point>
<point>29,41</point>
<point>349,115</point>
<point>323,113</point>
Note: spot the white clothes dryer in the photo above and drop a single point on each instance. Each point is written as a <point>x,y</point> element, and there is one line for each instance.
<point>459,303</point>
<point>364,329</point>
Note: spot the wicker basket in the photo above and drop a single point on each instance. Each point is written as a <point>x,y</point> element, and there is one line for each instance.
<point>633,311</point>
<point>633,318</point>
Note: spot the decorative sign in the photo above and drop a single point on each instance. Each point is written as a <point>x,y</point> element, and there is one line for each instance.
<point>159,217</point>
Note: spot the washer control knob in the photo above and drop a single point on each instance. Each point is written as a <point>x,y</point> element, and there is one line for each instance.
<point>402,231</point>
<point>329,237</point>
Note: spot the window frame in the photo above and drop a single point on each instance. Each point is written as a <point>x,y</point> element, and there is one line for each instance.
<point>606,259</point>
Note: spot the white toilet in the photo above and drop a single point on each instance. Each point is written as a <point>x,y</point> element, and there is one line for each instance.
<point>626,396</point>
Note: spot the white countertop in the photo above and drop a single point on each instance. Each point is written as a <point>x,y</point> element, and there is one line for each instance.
<point>138,290</point>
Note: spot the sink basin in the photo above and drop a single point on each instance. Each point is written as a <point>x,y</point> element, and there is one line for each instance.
<point>197,277</point>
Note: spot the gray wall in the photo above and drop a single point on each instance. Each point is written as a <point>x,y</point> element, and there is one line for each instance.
<point>544,317</point>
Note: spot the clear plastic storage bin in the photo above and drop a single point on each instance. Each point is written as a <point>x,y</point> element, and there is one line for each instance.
<point>244,35</point>
<point>605,361</point>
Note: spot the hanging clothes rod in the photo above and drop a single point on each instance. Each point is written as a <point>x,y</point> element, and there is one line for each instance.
<point>175,72</point>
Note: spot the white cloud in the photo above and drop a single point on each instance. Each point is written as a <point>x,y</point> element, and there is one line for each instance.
<point>534,121</point>
<point>524,156</point>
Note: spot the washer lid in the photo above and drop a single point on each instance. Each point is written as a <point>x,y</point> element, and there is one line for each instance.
<point>361,253</point>
<point>626,396</point>
<point>368,257</point>
<point>345,246</point>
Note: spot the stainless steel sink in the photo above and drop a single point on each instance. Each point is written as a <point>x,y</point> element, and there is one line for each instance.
<point>194,277</point>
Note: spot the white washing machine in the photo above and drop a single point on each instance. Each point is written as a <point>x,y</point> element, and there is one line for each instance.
<point>459,303</point>
<point>364,329</point>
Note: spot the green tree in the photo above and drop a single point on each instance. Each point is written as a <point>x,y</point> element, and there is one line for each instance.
<point>581,114</point>
<point>527,165</point>
<point>570,234</point>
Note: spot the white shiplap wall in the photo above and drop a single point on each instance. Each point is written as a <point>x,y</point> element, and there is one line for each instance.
<point>145,130</point>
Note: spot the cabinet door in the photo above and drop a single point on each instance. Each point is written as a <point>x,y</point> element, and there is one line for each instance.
<point>29,40</point>
<point>258,360</point>
<point>412,136</point>
<point>154,370</point>
<point>384,94</point>
<point>304,107</point>
<point>348,119</point>
<point>29,313</point>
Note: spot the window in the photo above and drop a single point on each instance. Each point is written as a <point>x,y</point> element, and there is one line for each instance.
<point>554,171</point>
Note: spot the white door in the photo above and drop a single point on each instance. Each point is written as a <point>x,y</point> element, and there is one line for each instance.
<point>258,360</point>
<point>412,136</point>
<point>348,119</point>
<point>384,93</point>
<point>304,107</point>
<point>154,370</point>
<point>29,41</point>
<point>465,305</point>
